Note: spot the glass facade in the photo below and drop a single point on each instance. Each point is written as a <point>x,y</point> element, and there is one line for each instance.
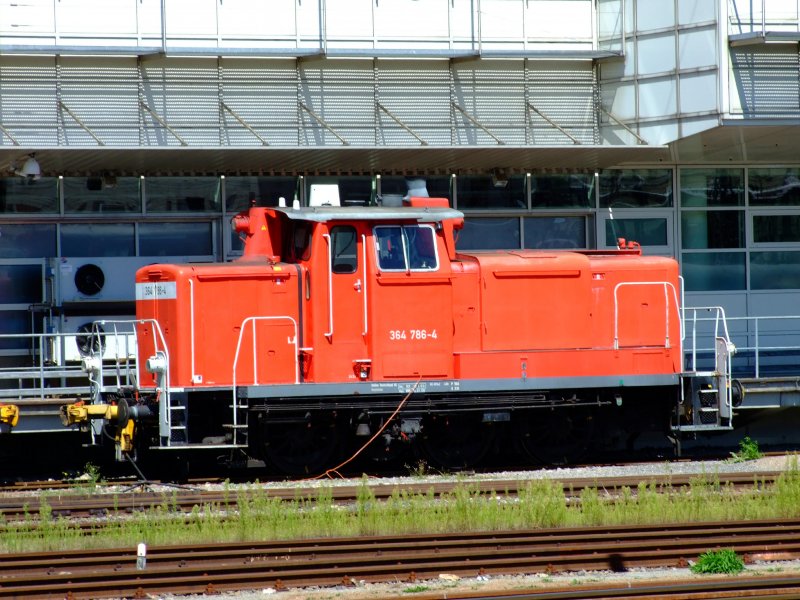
<point>635,188</point>
<point>98,239</point>
<point>735,228</point>
<point>182,194</point>
<point>99,195</point>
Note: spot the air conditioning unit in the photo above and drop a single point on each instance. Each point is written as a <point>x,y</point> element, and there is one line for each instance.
<point>102,279</point>
<point>112,336</point>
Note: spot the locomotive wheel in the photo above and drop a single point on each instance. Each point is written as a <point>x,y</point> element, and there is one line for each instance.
<point>556,437</point>
<point>455,441</point>
<point>301,447</point>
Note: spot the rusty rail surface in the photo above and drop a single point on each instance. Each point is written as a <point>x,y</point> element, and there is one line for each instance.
<point>409,558</point>
<point>774,587</point>
<point>103,502</point>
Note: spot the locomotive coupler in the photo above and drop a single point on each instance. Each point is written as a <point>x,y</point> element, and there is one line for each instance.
<point>121,415</point>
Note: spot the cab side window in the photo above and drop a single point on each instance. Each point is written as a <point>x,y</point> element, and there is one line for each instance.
<point>421,248</point>
<point>407,247</point>
<point>300,241</point>
<point>389,244</point>
<point>344,249</point>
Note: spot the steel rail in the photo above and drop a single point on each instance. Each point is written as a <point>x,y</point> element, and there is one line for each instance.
<point>106,502</point>
<point>774,587</point>
<point>345,561</point>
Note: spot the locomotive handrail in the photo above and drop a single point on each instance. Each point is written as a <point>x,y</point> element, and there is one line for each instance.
<point>364,262</point>
<point>329,333</point>
<point>127,358</point>
<point>191,330</point>
<point>164,412</point>
<point>667,287</point>
<point>719,317</point>
<point>253,320</point>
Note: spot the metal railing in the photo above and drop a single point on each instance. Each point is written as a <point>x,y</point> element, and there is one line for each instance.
<point>760,16</point>
<point>50,365</point>
<point>766,346</point>
<point>44,367</point>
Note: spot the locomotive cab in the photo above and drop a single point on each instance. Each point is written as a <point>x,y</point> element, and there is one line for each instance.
<point>364,274</point>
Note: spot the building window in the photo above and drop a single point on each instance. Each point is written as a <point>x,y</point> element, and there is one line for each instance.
<point>554,232</point>
<point>28,240</point>
<point>175,239</point>
<point>776,229</point>
<point>712,187</point>
<point>774,270</point>
<point>712,218</point>
<point>489,233</point>
<point>22,284</point>
<point>491,193</point>
<point>18,195</point>
<point>712,229</point>
<point>393,189</point>
<point>647,232</point>
<point>562,191</point>
<point>340,191</point>
<point>102,194</point>
<point>639,188</point>
<point>182,194</point>
<point>243,192</point>
<point>15,322</point>
<point>713,271</point>
<point>97,239</point>
<point>774,187</point>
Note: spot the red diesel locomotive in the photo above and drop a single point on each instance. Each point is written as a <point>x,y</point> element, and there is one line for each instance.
<point>338,324</point>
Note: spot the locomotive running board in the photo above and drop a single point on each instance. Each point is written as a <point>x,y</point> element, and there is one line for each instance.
<point>449,386</point>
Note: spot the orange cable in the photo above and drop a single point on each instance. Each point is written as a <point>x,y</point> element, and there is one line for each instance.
<point>334,470</point>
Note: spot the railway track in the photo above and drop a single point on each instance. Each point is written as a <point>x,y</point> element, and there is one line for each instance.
<point>773,587</point>
<point>409,558</point>
<point>105,502</point>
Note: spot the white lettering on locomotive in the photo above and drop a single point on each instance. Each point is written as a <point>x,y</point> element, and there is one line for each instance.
<point>163,290</point>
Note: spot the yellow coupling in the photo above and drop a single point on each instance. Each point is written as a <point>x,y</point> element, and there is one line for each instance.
<point>80,412</point>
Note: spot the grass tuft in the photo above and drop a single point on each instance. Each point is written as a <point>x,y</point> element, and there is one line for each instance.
<point>748,450</point>
<point>719,561</point>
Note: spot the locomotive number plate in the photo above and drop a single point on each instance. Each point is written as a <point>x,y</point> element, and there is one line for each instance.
<point>166,290</point>
<point>412,334</point>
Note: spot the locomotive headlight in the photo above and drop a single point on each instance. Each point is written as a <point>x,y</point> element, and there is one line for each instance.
<point>156,364</point>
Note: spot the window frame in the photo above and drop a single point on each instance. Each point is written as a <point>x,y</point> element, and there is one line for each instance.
<point>406,248</point>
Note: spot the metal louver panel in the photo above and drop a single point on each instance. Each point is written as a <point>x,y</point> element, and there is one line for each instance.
<point>28,100</point>
<point>565,92</point>
<point>493,93</point>
<point>177,102</point>
<point>264,95</point>
<point>185,94</point>
<point>115,119</point>
<point>417,93</point>
<point>766,81</point>
<point>342,93</point>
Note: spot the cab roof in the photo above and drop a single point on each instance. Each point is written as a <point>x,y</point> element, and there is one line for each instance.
<point>322,214</point>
